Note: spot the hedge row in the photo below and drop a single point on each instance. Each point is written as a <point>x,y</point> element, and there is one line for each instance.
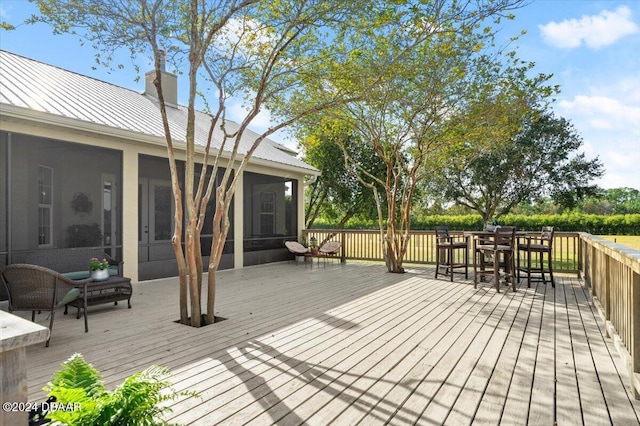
<point>628,224</point>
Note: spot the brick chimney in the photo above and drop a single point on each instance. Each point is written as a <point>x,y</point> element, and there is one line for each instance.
<point>169,83</point>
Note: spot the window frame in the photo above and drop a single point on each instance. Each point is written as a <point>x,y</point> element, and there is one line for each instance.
<point>272,213</point>
<point>45,207</point>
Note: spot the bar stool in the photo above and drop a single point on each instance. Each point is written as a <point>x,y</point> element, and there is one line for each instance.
<point>445,247</point>
<point>501,243</point>
<point>536,248</point>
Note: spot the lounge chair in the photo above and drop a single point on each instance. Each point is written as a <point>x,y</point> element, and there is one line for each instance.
<point>297,249</point>
<point>331,248</point>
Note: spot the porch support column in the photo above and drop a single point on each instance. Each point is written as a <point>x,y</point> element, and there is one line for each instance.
<point>238,223</point>
<point>16,335</point>
<point>301,218</point>
<point>130,213</point>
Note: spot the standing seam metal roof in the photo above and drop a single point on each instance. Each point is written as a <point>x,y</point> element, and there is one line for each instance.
<point>42,87</point>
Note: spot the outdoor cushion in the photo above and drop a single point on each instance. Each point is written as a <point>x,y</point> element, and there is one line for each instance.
<point>72,295</point>
<point>81,275</point>
<point>78,275</point>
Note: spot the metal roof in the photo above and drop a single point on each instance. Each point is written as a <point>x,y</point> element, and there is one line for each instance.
<point>37,86</point>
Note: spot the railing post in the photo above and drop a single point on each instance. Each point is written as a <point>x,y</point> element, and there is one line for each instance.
<point>635,335</point>
<point>17,334</point>
<point>343,250</point>
<point>580,263</point>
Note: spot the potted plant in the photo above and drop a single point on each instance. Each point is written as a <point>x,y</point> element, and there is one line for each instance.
<point>99,269</point>
<point>313,245</point>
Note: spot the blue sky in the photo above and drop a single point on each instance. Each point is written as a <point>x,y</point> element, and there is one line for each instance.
<point>592,47</point>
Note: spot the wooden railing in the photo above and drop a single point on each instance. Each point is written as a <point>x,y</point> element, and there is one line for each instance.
<point>612,273</point>
<point>365,245</point>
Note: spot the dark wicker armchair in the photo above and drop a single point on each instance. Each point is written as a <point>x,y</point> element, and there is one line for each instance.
<point>35,288</point>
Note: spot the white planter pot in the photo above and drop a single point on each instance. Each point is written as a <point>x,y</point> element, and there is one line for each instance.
<point>100,275</point>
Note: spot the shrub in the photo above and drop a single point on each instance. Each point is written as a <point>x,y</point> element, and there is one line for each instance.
<point>137,401</point>
<point>628,224</point>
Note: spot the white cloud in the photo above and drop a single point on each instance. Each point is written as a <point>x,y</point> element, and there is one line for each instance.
<point>594,31</point>
<point>621,165</point>
<point>603,112</point>
<point>5,11</point>
<point>237,112</point>
<point>261,123</point>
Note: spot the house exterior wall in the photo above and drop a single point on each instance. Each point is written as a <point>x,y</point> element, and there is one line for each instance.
<point>80,158</point>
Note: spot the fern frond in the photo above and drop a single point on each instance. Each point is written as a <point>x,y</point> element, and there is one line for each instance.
<point>77,373</point>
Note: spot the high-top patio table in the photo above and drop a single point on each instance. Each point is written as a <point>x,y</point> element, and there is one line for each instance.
<point>482,237</point>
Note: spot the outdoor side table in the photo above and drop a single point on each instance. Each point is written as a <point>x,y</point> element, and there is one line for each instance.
<point>114,289</point>
<point>310,256</point>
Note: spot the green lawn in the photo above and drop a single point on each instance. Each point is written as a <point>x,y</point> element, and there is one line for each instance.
<point>632,241</point>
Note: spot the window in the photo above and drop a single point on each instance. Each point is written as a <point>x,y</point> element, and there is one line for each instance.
<point>109,198</point>
<point>45,205</point>
<point>267,213</point>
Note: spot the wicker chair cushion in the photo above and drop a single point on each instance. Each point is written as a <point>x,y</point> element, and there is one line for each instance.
<point>296,248</point>
<point>82,275</point>
<point>331,247</point>
<point>78,275</point>
<point>71,295</point>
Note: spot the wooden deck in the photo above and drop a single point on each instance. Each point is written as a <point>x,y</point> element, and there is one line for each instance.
<point>352,344</point>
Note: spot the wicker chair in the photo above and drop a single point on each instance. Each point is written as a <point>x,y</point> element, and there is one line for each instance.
<point>35,288</point>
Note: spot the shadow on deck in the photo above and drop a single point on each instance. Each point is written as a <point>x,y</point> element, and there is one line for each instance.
<point>350,344</point>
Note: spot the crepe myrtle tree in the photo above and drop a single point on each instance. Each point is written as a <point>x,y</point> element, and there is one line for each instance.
<point>542,160</point>
<point>408,113</point>
<point>256,52</point>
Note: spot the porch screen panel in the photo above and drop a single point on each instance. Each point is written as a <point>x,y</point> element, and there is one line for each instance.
<point>58,196</point>
<point>270,216</point>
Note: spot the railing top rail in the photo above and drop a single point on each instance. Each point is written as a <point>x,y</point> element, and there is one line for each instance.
<point>624,254</point>
<point>412,231</point>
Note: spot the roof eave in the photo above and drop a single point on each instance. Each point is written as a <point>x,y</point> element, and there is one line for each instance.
<point>30,115</point>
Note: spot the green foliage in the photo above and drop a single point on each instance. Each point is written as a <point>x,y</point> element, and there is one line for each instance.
<point>138,401</point>
<point>612,201</point>
<point>572,222</point>
<point>627,224</point>
<point>540,161</point>
<point>337,195</point>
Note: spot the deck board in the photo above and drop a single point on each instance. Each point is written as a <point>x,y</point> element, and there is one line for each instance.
<point>353,344</point>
